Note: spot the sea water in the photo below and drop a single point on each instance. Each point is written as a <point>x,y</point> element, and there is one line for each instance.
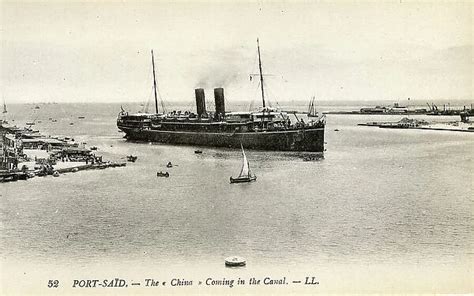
<point>384,209</point>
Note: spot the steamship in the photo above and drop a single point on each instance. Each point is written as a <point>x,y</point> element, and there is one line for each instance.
<point>265,129</point>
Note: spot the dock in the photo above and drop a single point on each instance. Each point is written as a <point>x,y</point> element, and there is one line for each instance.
<point>6,176</point>
<point>9,176</point>
<point>96,166</point>
<point>407,123</point>
<point>26,154</point>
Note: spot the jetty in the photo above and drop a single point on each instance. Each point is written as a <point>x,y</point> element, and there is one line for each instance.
<point>6,176</point>
<point>397,109</point>
<point>26,154</point>
<point>410,123</point>
<point>82,167</point>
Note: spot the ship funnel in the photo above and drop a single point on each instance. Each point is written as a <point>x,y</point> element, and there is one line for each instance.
<point>200,101</point>
<point>219,99</point>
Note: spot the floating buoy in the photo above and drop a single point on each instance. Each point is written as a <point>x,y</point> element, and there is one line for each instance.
<point>56,174</point>
<point>235,261</point>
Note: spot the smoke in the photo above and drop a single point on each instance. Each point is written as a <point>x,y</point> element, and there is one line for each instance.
<point>223,68</point>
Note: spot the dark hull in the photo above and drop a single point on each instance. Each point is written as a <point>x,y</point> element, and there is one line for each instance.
<point>243,179</point>
<point>307,139</point>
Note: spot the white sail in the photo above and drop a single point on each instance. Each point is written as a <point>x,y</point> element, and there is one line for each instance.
<point>244,172</point>
<point>312,112</point>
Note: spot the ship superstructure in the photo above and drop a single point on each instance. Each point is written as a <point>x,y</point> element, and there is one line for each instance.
<point>266,129</point>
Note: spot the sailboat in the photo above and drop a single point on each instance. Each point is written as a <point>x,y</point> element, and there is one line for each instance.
<point>312,109</point>
<point>245,174</point>
<point>3,120</point>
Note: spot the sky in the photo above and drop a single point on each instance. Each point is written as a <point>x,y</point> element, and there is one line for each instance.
<point>100,51</point>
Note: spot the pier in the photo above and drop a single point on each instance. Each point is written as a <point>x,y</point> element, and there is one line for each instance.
<point>24,156</point>
<point>408,123</point>
<point>82,167</point>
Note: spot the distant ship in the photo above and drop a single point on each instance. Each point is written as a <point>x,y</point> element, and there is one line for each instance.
<point>265,129</point>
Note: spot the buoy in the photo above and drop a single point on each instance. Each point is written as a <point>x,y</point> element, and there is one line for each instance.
<point>56,174</point>
<point>235,261</point>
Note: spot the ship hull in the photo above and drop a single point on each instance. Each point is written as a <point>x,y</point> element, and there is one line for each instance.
<point>307,140</point>
<point>243,179</point>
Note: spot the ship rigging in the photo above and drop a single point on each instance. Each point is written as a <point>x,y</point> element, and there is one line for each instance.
<point>265,129</point>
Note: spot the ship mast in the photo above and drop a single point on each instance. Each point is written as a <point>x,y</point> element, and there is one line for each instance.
<point>261,75</point>
<point>154,81</point>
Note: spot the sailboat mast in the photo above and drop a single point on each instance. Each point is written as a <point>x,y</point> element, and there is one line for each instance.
<point>154,81</point>
<point>261,75</point>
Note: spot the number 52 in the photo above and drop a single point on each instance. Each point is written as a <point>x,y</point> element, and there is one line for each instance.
<point>53,283</point>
